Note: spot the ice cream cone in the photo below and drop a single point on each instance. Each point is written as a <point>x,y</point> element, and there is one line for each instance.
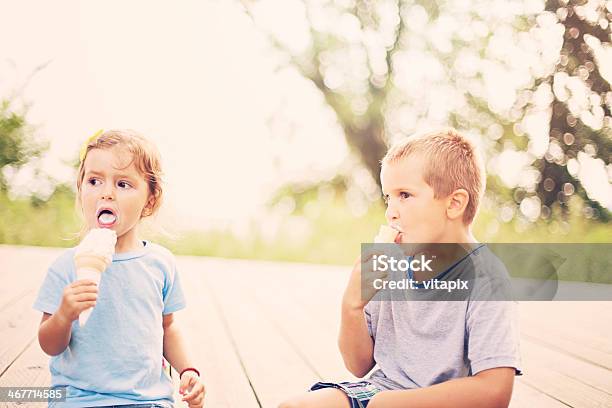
<point>92,257</point>
<point>385,234</point>
<point>97,263</point>
<point>89,266</point>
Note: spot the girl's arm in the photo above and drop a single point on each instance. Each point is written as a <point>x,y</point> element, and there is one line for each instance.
<point>174,346</point>
<point>55,330</point>
<point>175,352</point>
<point>54,334</point>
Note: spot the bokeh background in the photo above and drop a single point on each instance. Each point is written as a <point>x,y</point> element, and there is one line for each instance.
<point>272,115</point>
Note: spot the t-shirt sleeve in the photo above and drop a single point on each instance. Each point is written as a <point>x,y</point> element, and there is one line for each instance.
<point>50,293</point>
<point>493,335</point>
<point>174,300</point>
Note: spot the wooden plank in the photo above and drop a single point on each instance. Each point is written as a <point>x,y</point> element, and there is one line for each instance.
<point>563,352</point>
<point>18,327</point>
<point>276,294</point>
<point>31,369</point>
<point>562,386</point>
<point>575,368</point>
<point>585,323</point>
<point>592,318</point>
<point>320,290</point>
<point>525,396</point>
<point>211,345</point>
<point>275,331</point>
<point>24,268</point>
<point>578,345</point>
<point>18,263</point>
<point>274,369</point>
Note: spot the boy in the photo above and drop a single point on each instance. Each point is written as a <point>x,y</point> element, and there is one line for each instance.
<point>431,353</point>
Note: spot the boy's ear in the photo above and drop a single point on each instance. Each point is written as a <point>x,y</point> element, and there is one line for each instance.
<point>456,203</point>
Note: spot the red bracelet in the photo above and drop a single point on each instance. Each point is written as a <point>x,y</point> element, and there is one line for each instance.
<point>189,369</point>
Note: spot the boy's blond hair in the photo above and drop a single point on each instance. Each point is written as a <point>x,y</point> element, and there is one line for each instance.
<point>145,157</point>
<point>451,162</point>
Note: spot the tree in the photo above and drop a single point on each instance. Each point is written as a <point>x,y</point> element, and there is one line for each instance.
<point>360,51</point>
<point>17,146</point>
<point>578,129</point>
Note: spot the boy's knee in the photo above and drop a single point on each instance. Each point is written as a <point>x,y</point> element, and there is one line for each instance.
<point>290,403</point>
<point>328,398</point>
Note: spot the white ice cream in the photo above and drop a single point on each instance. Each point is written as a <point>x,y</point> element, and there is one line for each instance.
<point>107,218</point>
<point>100,242</point>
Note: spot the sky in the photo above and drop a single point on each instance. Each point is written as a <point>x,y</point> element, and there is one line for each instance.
<point>197,78</point>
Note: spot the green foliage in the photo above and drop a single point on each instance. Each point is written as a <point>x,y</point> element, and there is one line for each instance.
<point>17,146</point>
<point>32,221</point>
<point>333,234</point>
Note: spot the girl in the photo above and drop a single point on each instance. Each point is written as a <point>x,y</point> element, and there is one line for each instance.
<point>115,358</point>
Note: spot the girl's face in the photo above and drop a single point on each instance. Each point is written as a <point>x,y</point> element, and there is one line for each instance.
<point>114,194</point>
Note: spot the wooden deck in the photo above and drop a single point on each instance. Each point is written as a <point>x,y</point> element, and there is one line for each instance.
<point>263,331</point>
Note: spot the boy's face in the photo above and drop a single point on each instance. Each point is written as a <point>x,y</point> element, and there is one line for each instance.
<point>113,192</point>
<point>411,206</point>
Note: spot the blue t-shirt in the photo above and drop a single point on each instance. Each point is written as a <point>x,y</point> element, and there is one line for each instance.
<point>116,357</point>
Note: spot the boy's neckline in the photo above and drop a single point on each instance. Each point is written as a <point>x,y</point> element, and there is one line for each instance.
<point>136,253</point>
<point>441,275</point>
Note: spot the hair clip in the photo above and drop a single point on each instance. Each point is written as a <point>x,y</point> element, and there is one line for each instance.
<point>89,140</point>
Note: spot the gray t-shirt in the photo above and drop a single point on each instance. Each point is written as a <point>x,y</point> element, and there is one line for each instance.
<point>421,343</point>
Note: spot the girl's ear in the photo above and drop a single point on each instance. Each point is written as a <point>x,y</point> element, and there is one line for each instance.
<point>457,202</point>
<point>148,208</point>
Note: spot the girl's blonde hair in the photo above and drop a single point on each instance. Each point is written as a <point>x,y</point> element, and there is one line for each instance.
<point>145,156</point>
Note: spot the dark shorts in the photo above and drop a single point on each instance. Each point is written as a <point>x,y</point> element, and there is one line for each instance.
<point>359,393</point>
<point>149,405</point>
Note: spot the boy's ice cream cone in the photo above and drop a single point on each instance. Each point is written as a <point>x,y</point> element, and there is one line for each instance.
<point>385,234</point>
<point>92,257</point>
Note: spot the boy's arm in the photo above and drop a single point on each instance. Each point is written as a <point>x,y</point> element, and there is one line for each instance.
<point>490,388</point>
<point>354,341</point>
